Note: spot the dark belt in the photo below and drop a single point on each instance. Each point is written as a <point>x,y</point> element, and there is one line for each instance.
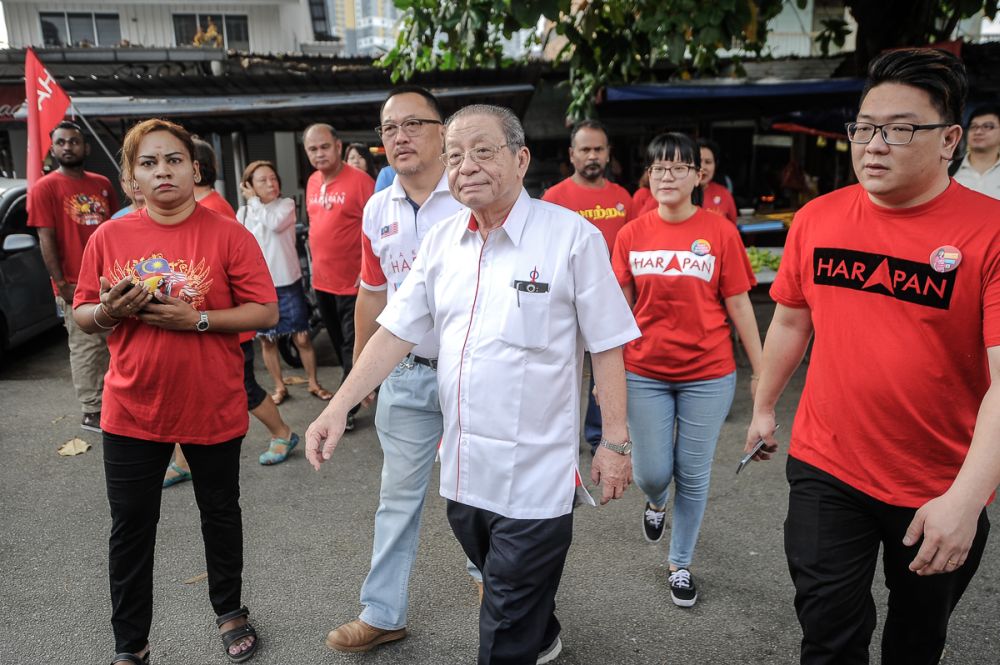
<point>426,362</point>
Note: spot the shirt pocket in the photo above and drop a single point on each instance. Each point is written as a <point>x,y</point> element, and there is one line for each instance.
<point>526,319</point>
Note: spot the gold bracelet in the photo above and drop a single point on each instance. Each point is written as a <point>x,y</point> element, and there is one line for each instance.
<point>101,307</point>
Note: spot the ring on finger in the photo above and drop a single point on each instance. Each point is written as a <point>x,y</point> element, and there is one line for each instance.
<point>952,562</point>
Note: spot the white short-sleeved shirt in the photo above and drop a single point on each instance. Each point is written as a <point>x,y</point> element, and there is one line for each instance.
<point>513,315</point>
<point>985,183</point>
<point>392,231</point>
<point>273,224</point>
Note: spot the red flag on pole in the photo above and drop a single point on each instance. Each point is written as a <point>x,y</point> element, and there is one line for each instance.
<point>47,105</point>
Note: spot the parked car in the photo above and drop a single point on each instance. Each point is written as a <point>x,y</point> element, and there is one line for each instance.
<point>27,305</point>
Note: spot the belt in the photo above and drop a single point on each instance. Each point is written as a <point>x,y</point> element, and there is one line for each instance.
<point>410,360</point>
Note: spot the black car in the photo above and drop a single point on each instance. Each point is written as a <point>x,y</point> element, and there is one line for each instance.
<point>27,305</point>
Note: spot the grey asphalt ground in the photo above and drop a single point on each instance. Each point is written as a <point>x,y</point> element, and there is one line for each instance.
<point>308,543</point>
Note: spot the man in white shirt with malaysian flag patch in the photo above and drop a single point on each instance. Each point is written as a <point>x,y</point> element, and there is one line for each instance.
<point>515,290</point>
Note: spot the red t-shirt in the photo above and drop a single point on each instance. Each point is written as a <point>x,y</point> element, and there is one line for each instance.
<point>643,201</point>
<point>608,208</point>
<point>215,201</point>
<point>168,385</point>
<point>720,201</point>
<point>904,304</point>
<point>680,274</point>
<point>74,207</point>
<point>334,213</point>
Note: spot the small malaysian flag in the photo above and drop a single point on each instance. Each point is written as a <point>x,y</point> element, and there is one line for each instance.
<point>389,230</point>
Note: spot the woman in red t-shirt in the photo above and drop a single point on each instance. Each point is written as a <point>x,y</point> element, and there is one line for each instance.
<point>715,197</point>
<point>683,270</point>
<point>174,283</point>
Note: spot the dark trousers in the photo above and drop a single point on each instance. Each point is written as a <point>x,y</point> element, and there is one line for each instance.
<point>832,538</point>
<point>338,317</point>
<point>522,563</point>
<point>134,472</point>
<point>592,424</point>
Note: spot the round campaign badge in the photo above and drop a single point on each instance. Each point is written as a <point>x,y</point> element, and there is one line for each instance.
<point>620,207</point>
<point>946,258</point>
<point>701,247</point>
<point>717,200</point>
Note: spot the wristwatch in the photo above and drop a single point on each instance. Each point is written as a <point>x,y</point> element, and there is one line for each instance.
<point>623,448</point>
<point>202,324</point>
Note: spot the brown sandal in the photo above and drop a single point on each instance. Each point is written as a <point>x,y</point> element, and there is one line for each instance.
<point>321,393</point>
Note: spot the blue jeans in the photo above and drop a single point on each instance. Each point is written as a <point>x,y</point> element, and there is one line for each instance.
<point>408,421</point>
<point>674,429</point>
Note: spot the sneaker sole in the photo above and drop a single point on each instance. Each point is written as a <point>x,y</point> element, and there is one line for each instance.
<point>91,428</point>
<point>682,602</point>
<point>368,646</point>
<point>552,655</point>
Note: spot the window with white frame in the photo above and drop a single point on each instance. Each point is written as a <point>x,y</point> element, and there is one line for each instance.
<point>231,31</point>
<point>80,29</point>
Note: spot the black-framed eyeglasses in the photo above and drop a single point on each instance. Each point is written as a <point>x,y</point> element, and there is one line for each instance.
<point>411,127</point>
<point>484,153</point>
<point>678,171</point>
<point>893,133</point>
<point>986,127</point>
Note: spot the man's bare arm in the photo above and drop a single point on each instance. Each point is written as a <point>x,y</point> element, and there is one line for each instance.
<point>611,469</point>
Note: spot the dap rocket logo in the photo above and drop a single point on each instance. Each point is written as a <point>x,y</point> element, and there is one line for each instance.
<point>904,280</point>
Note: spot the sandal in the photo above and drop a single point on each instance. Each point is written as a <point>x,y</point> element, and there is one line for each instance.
<point>278,396</point>
<point>321,393</point>
<point>231,637</point>
<point>183,475</point>
<point>269,456</point>
<point>130,658</point>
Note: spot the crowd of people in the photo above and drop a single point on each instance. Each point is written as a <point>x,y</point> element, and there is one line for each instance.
<point>463,309</point>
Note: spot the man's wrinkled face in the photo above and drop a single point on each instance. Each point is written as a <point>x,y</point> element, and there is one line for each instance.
<point>590,153</point>
<point>69,149</point>
<point>496,178</point>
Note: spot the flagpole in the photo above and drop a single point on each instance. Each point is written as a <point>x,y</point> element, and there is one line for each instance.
<point>86,122</point>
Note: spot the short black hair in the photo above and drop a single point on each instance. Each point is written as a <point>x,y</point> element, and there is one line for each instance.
<point>66,124</point>
<point>984,109</point>
<point>674,145</point>
<point>205,156</point>
<point>588,124</point>
<point>938,73</point>
<point>413,90</point>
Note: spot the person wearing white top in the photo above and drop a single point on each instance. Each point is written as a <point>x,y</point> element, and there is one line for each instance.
<point>980,170</point>
<point>514,289</point>
<point>271,219</point>
<point>408,416</point>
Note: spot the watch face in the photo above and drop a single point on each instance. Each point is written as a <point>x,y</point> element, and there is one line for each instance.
<point>202,325</point>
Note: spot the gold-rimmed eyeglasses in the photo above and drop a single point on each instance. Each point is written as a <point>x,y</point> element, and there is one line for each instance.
<point>481,154</point>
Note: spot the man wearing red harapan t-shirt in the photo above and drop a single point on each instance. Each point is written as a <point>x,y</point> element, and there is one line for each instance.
<point>602,203</point>
<point>895,441</point>
<point>336,195</point>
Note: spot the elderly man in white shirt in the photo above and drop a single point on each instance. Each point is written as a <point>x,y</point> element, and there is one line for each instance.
<point>980,170</point>
<point>515,290</point>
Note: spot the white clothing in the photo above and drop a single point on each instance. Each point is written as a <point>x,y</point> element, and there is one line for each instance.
<point>273,224</point>
<point>985,183</point>
<point>513,315</point>
<point>393,230</point>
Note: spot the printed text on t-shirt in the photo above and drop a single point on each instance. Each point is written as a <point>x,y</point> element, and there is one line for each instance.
<point>901,279</point>
<point>672,263</point>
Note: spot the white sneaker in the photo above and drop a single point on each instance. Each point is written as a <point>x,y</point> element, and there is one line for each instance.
<point>550,652</point>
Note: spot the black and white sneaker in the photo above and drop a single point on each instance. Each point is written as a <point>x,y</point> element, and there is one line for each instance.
<point>349,425</point>
<point>682,589</point>
<point>653,521</point>
<point>91,422</point>
<point>550,652</point>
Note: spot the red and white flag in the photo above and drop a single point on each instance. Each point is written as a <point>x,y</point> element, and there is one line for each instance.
<point>47,105</point>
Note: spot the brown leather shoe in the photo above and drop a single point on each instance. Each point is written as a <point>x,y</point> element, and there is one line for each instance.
<point>357,636</point>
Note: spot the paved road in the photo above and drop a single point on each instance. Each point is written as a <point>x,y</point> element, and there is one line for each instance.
<point>308,540</point>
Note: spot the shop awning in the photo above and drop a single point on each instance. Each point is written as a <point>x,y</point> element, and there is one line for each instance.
<point>730,89</point>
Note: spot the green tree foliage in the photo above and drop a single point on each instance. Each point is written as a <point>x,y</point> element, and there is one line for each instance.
<point>606,41</point>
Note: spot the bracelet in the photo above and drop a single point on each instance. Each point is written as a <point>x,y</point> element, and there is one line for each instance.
<point>101,307</point>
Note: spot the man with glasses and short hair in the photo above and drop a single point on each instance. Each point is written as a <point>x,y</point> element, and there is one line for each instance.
<point>894,444</point>
<point>66,206</point>
<point>980,170</point>
<point>513,289</point>
<point>408,413</point>
<point>336,194</point>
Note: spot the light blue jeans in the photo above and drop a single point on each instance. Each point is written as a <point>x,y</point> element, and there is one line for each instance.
<point>408,421</point>
<point>674,429</point>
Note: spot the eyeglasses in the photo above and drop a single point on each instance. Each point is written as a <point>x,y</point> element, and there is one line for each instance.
<point>454,158</point>
<point>412,127</point>
<point>893,133</point>
<point>678,171</point>
<point>986,127</point>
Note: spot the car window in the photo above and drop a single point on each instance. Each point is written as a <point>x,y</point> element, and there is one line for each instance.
<point>16,218</point>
